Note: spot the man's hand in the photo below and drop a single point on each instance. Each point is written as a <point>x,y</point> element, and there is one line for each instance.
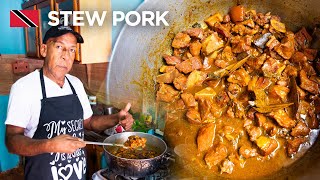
<point>66,144</point>
<point>22,145</point>
<point>125,118</point>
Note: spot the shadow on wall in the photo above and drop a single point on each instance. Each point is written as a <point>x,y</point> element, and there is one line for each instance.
<point>125,6</point>
<point>7,160</point>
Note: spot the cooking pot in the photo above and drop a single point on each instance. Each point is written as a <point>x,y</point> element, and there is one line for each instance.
<point>137,57</point>
<point>135,168</point>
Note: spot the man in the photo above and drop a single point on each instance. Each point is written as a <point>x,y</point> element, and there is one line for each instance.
<point>48,111</point>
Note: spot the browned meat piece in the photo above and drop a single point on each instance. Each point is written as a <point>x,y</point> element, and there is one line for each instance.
<point>195,32</point>
<point>212,43</point>
<point>301,129</point>
<point>181,40</point>
<point>301,93</point>
<point>230,113</point>
<point>172,60</point>
<point>195,48</point>
<point>248,152</point>
<point>226,130</point>
<point>222,29</point>
<point>253,132</point>
<point>273,42</point>
<point>188,100</point>
<point>308,68</point>
<point>251,113</point>
<point>307,84</point>
<point>298,58</point>
<point>306,111</point>
<point>255,63</point>
<point>216,112</point>
<point>262,19</point>
<point>283,82</point>
<point>216,155</point>
<point>189,65</point>
<point>179,104</point>
<point>164,69</point>
<point>222,99</point>
<point>227,166</point>
<point>279,91</point>
<point>214,19</point>
<point>283,119</point>
<point>205,106</point>
<point>311,54</point>
<point>239,108</point>
<point>207,62</point>
<point>196,78</point>
<point>240,76</point>
<point>241,44</point>
<point>226,18</point>
<point>180,52</point>
<point>166,93</point>
<point>312,120</point>
<point>180,82</point>
<point>290,71</point>
<point>259,83</point>
<point>193,116</point>
<point>294,144</point>
<point>240,29</point>
<point>168,77</point>
<point>261,119</point>
<point>227,54</point>
<point>234,90</point>
<point>249,23</point>
<point>247,122</point>
<point>220,63</point>
<point>303,38</point>
<point>286,48</point>
<point>206,136</point>
<point>272,68</point>
<point>277,25</point>
<point>266,145</point>
<point>270,128</point>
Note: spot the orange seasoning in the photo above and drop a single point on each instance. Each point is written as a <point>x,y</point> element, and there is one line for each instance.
<point>237,13</point>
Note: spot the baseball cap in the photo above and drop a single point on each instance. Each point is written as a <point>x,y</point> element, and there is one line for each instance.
<point>56,31</point>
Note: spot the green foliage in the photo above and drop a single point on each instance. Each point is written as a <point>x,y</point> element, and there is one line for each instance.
<point>142,122</point>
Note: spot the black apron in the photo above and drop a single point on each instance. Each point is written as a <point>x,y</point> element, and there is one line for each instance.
<point>59,115</point>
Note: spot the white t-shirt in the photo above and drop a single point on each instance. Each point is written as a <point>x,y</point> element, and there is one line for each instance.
<point>25,100</point>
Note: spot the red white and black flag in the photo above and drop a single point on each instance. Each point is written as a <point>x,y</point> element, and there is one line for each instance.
<point>24,18</point>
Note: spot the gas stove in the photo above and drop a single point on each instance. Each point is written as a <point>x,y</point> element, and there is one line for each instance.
<point>107,174</point>
<point>163,173</point>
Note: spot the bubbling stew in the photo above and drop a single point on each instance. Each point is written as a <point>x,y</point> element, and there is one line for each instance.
<point>243,89</point>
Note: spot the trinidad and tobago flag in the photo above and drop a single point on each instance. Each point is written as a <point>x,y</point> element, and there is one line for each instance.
<point>24,18</point>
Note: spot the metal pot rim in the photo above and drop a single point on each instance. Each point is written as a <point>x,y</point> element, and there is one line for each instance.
<point>165,150</point>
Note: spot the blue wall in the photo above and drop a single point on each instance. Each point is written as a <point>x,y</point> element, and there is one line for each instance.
<point>11,39</point>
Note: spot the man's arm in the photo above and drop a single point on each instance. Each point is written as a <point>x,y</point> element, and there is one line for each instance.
<point>103,122</point>
<point>22,145</point>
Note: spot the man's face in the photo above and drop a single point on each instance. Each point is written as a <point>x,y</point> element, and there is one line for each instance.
<point>59,54</point>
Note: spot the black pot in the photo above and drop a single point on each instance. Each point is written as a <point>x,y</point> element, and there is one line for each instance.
<point>135,168</point>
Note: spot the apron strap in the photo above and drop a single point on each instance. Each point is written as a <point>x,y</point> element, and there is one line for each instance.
<point>43,88</point>
<point>44,95</point>
<point>74,92</point>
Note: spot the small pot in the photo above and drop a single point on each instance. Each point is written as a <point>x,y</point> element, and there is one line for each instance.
<point>135,168</point>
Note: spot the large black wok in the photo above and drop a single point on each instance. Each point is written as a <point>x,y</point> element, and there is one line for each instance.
<point>137,57</point>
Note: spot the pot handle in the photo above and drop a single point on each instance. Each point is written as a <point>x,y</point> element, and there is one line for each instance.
<point>167,156</point>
